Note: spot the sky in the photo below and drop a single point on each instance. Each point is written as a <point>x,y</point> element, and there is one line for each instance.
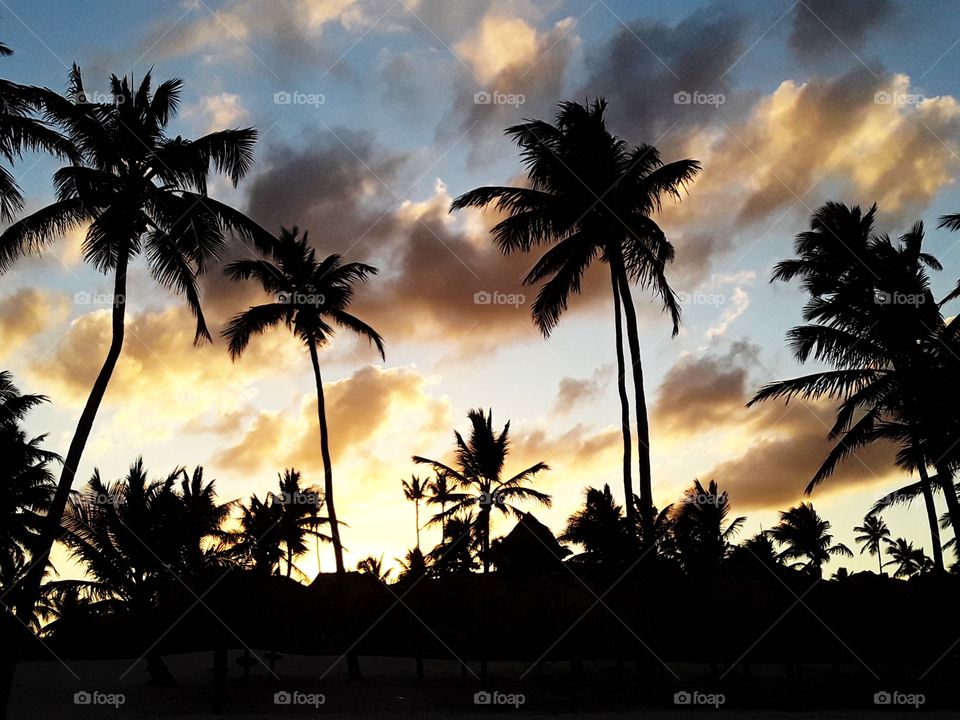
<point>373,115</point>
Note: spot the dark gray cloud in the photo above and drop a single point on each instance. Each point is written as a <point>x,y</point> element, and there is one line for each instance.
<point>644,68</point>
<point>831,28</point>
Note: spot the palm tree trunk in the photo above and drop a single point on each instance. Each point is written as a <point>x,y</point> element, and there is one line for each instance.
<point>485,539</point>
<point>353,662</point>
<point>931,516</point>
<point>417,520</point>
<point>880,557</point>
<point>289,560</point>
<point>327,464</point>
<point>643,425</point>
<point>30,587</point>
<point>945,480</point>
<point>624,402</point>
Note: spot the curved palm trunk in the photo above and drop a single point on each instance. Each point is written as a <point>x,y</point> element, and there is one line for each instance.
<point>945,480</point>
<point>417,520</point>
<point>624,402</point>
<point>931,508</point>
<point>353,662</point>
<point>327,464</point>
<point>643,425</point>
<point>880,557</point>
<point>30,588</point>
<point>289,560</point>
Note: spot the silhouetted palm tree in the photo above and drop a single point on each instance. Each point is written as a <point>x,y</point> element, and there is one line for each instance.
<point>454,553</point>
<point>873,533</point>
<point>700,531</point>
<point>201,522</point>
<point>26,487</point>
<point>591,196</point>
<point>415,490</point>
<point>478,476</point>
<point>413,566</point>
<point>374,566</point>
<point>807,539</point>
<point>600,528</point>
<point>258,542</point>
<point>299,516</point>
<point>910,561</point>
<point>310,296</point>
<point>871,315</point>
<point>439,494</point>
<point>142,193</point>
<point>19,131</point>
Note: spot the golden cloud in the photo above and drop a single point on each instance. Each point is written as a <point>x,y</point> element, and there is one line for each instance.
<point>27,313</point>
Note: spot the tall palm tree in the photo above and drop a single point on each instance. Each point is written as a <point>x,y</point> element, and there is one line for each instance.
<point>910,561</point>
<point>299,516</point>
<point>310,297</point>
<point>20,130</point>
<point>26,487</point>
<point>591,196</point>
<point>807,539</point>
<point>415,490</point>
<point>142,192</point>
<point>479,478</point>
<point>872,316</point>
<point>873,533</point>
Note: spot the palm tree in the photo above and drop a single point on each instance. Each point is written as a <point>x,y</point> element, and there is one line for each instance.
<point>479,480</point>
<point>910,561</point>
<point>415,491</point>
<point>454,553</point>
<point>374,566</point>
<point>873,533</point>
<point>299,516</point>
<point>700,533</point>
<point>20,131</point>
<point>600,528</point>
<point>439,494</point>
<point>591,196</point>
<point>201,522</point>
<point>413,566</point>
<point>310,296</point>
<point>807,539</point>
<point>857,321</point>
<point>258,542</point>
<point>26,487</point>
<point>142,192</point>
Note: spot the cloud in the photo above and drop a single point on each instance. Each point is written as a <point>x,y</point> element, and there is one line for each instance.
<point>825,28</point>
<point>218,112</point>
<point>643,66</point>
<point>702,394</point>
<point>574,391</point>
<point>159,368</point>
<point>361,411</point>
<point>739,304</point>
<point>27,313</point>
<point>516,71</point>
<point>783,448</point>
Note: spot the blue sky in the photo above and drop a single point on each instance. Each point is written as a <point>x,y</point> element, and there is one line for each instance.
<point>370,171</point>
